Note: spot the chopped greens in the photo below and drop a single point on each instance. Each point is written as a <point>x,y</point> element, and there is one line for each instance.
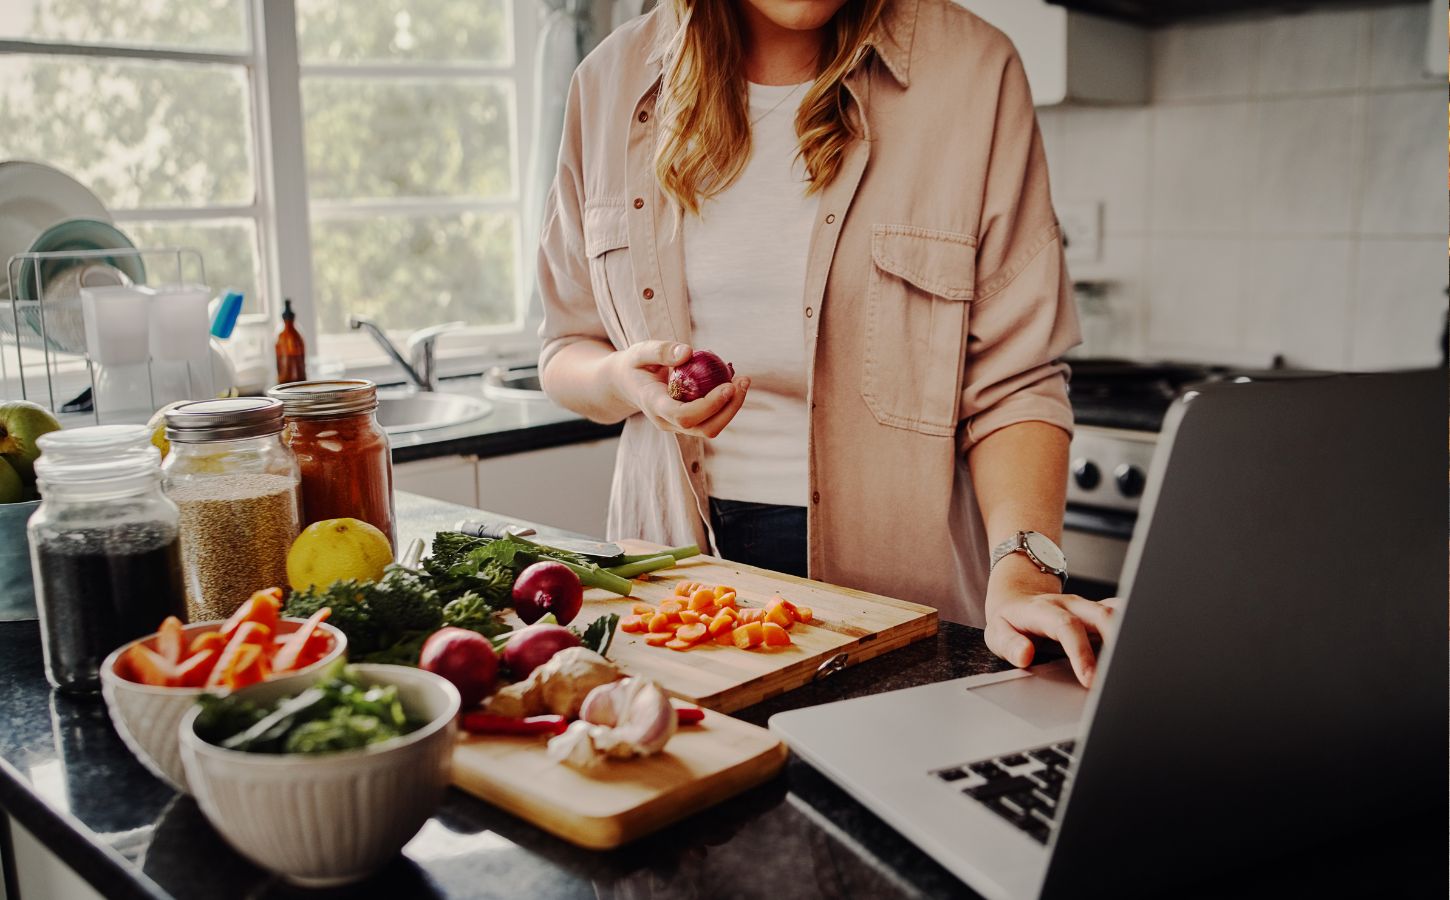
<point>336,713</point>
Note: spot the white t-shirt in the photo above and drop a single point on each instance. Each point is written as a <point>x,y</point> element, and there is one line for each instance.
<point>745,267</point>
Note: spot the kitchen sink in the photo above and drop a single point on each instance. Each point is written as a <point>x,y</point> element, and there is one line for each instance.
<point>520,383</point>
<point>408,411</point>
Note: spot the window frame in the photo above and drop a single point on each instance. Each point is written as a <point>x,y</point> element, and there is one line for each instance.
<point>281,209</point>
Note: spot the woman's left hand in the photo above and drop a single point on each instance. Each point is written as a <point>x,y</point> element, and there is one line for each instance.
<point>1023,602</point>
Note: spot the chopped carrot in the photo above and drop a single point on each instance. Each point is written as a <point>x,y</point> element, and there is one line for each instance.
<point>788,606</point>
<point>702,598</point>
<point>689,616</point>
<point>146,666</point>
<point>686,588</point>
<point>726,637</point>
<point>723,589</point>
<point>751,634</point>
<point>642,609</point>
<point>207,640</point>
<point>170,640</point>
<point>775,636</point>
<point>671,608</point>
<point>752,614</point>
<point>779,615</point>
<point>633,624</point>
<point>194,670</point>
<point>692,633</point>
<point>659,638</point>
<point>804,614</point>
<point>677,644</point>
<point>724,621</point>
<point>262,608</point>
<point>659,622</point>
<point>727,599</point>
<point>290,653</point>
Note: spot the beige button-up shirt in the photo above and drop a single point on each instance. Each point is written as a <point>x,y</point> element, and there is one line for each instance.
<point>936,302</point>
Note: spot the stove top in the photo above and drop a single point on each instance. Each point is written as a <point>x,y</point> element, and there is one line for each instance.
<point>1114,393</point>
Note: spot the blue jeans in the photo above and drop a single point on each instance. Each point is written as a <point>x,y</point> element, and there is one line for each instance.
<point>761,534</point>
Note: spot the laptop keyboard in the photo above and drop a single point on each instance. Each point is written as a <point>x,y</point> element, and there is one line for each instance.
<point>1023,788</point>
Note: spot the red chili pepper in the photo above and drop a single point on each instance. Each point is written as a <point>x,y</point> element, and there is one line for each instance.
<point>690,715</point>
<point>483,723</point>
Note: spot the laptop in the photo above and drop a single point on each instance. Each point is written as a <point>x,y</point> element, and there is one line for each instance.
<point>1277,677</point>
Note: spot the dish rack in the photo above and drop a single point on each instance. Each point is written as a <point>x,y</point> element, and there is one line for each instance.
<point>55,328</point>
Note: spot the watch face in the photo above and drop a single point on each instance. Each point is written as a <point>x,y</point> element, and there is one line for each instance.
<point>1045,550</point>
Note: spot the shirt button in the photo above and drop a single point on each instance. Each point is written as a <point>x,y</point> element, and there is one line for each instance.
<point>831,218</point>
<point>695,467</point>
<point>815,496</point>
<point>808,312</point>
<point>644,115</point>
<point>648,293</point>
<point>639,203</point>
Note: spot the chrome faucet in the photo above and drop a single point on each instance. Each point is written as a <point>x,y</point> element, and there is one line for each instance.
<point>422,370</point>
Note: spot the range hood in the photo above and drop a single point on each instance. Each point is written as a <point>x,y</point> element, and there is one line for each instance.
<point>1167,12</point>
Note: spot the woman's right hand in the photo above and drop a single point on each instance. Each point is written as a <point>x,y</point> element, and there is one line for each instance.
<point>639,375</point>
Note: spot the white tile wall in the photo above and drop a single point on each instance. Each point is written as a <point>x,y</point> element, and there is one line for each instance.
<point>1284,193</point>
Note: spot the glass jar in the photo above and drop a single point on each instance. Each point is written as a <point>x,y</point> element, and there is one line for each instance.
<point>346,462</point>
<point>104,547</point>
<point>235,482</point>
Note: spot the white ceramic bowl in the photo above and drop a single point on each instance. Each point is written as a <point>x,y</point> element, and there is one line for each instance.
<point>329,818</point>
<point>146,716</point>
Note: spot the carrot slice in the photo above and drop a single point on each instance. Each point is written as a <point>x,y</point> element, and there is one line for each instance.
<point>752,614</point>
<point>775,636</point>
<point>194,670</point>
<point>692,633</point>
<point>262,608</point>
<point>686,588</point>
<point>671,608</point>
<point>642,609</point>
<point>689,617</point>
<point>633,624</point>
<point>659,622</point>
<point>702,598</point>
<point>170,640</point>
<point>723,589</point>
<point>207,640</point>
<point>677,644</point>
<point>726,599</point>
<point>659,638</point>
<point>291,652</point>
<point>723,622</point>
<point>778,600</point>
<point>751,634</point>
<point>779,615</point>
<point>805,614</point>
<point>726,637</point>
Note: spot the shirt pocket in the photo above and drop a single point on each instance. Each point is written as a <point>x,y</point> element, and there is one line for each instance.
<point>611,273</point>
<point>917,305</point>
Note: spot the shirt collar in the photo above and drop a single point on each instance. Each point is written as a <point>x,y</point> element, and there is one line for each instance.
<point>891,38</point>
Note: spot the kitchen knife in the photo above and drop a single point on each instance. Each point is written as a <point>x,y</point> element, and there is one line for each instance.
<point>503,528</point>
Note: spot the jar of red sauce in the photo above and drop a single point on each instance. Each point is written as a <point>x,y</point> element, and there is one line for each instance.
<point>346,463</point>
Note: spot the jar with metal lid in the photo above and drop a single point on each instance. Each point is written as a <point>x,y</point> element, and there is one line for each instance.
<point>344,455</point>
<point>235,482</point>
<point>104,548</point>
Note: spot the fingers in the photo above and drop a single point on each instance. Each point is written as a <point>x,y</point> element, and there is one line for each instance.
<point>1096,616</point>
<point>691,415</point>
<point>1062,618</point>
<point>657,353</point>
<point>716,423</point>
<point>1008,643</point>
<point>705,417</point>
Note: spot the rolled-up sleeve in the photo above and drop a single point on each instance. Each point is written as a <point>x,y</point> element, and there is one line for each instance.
<point>570,313</point>
<point>1023,317</point>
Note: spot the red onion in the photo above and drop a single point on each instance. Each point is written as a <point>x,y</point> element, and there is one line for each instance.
<point>465,658</point>
<point>547,587</point>
<point>698,376</point>
<point>533,646</point>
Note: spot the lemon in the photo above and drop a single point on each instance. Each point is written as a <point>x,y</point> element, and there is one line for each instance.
<point>157,424</point>
<point>336,550</point>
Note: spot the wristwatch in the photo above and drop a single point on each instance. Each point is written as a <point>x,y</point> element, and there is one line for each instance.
<point>1039,548</point>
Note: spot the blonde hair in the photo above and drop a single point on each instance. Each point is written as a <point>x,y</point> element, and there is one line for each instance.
<point>704,140</point>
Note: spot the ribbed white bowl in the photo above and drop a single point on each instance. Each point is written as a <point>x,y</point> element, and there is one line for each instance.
<point>146,716</point>
<point>329,818</point>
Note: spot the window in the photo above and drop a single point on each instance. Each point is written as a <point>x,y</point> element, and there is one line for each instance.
<point>148,104</point>
<point>183,117</point>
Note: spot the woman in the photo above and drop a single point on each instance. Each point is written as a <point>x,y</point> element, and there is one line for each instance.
<point>847,199</point>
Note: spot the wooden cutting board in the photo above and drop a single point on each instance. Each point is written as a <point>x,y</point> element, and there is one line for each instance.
<point>849,626</point>
<point>620,800</point>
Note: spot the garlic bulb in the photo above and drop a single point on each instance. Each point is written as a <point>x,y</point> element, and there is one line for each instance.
<point>630,717</point>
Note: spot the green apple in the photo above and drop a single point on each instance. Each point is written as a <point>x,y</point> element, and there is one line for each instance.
<point>12,489</point>
<point>21,422</point>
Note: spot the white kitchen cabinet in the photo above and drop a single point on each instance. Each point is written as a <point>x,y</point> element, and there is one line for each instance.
<point>449,478</point>
<point>1072,56</point>
<point>1436,47</point>
<point>566,487</point>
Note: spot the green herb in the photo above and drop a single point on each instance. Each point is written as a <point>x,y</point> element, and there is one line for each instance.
<point>339,712</point>
<point>491,561</point>
<point>600,633</point>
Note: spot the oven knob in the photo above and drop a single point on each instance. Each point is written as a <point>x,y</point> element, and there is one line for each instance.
<point>1130,480</point>
<point>1086,473</point>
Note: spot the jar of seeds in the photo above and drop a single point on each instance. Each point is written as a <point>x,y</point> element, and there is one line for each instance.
<point>236,485</point>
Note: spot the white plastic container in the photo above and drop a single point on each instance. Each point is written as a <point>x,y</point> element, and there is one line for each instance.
<point>116,323</point>
<point>180,330</point>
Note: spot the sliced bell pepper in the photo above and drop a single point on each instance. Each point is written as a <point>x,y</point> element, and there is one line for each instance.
<point>170,640</point>
<point>262,607</point>
<point>290,652</point>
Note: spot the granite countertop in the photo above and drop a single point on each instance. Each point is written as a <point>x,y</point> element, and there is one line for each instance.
<point>67,778</point>
<point>513,426</point>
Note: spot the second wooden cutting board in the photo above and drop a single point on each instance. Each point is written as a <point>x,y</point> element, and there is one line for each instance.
<point>849,626</point>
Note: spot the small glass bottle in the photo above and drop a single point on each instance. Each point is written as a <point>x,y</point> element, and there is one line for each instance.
<point>105,548</point>
<point>235,483</point>
<point>291,351</point>
<point>346,461</point>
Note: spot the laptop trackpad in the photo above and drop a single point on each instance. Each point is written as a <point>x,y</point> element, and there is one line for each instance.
<point>1049,698</point>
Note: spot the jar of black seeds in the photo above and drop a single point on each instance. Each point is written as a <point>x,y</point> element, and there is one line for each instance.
<point>236,485</point>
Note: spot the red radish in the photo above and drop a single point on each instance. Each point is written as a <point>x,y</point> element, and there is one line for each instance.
<point>465,658</point>
<point>698,376</point>
<point>533,646</point>
<point>547,587</point>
